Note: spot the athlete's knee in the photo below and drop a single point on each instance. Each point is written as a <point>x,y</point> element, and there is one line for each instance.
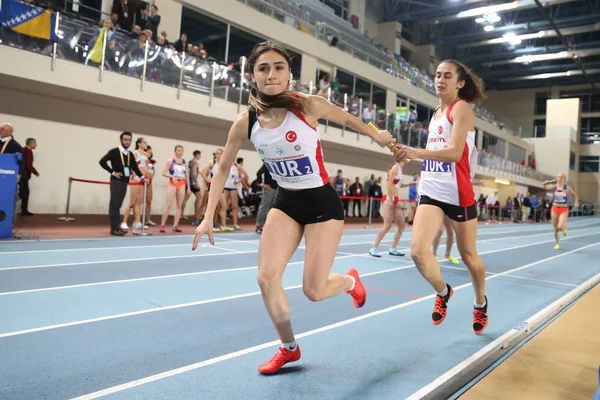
<point>314,292</point>
<point>418,253</point>
<point>471,259</point>
<point>267,280</point>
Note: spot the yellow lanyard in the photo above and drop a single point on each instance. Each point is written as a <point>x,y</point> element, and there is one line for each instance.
<point>121,154</point>
<point>5,144</point>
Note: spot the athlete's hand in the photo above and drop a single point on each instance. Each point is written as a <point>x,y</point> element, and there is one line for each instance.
<point>404,152</point>
<point>384,138</point>
<point>205,228</point>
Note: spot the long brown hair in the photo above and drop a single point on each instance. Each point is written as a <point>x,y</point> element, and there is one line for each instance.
<point>259,102</point>
<point>474,89</point>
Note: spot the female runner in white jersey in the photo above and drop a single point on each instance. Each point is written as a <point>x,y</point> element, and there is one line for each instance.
<point>391,209</point>
<point>136,192</point>
<point>282,127</point>
<point>447,189</point>
<point>560,206</point>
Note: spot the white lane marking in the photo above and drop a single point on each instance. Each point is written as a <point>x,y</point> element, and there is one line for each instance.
<point>225,357</point>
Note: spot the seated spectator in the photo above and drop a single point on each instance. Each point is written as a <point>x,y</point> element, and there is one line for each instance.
<point>508,207</point>
<point>135,32</point>
<point>114,18</point>
<point>369,114</point>
<point>181,44</point>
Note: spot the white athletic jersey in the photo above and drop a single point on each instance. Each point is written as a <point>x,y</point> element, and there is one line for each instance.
<point>141,159</point>
<point>448,182</point>
<point>397,181</point>
<point>292,153</point>
<point>233,177</point>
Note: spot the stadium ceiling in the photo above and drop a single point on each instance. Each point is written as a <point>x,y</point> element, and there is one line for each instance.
<point>511,44</point>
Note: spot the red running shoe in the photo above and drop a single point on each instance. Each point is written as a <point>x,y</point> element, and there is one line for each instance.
<point>441,306</point>
<point>282,357</point>
<point>359,294</point>
<point>480,319</point>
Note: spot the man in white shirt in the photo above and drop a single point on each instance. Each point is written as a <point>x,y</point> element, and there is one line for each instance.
<point>369,114</point>
<point>490,202</point>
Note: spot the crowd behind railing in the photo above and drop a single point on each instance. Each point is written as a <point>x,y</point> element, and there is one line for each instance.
<point>125,54</point>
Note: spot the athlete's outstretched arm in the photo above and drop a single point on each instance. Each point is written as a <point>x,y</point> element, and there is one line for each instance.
<point>463,121</point>
<point>318,108</point>
<point>549,185</point>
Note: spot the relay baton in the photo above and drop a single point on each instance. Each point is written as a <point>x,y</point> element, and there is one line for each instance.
<point>391,145</point>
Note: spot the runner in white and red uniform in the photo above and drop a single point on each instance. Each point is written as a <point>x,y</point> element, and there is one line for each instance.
<point>446,187</point>
<point>392,209</point>
<point>282,126</point>
<point>560,206</point>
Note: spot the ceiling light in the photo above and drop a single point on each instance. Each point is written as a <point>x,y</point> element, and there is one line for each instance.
<point>493,17</point>
<point>487,9</point>
<point>489,28</point>
<point>480,20</point>
<point>502,181</point>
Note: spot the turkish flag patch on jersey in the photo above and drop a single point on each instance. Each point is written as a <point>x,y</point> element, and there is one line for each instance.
<point>291,136</point>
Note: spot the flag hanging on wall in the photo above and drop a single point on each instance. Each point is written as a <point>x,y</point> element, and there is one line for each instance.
<point>28,20</point>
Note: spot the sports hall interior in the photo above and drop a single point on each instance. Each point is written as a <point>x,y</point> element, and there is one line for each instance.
<point>181,79</point>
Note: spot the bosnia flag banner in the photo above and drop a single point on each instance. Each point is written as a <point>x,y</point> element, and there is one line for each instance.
<point>28,20</point>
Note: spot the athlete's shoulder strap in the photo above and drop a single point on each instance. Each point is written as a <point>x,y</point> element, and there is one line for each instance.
<point>251,120</point>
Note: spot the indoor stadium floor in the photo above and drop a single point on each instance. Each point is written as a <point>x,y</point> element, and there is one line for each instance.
<point>145,317</point>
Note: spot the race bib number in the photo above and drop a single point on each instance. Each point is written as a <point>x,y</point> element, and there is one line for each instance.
<point>441,170</point>
<point>290,168</point>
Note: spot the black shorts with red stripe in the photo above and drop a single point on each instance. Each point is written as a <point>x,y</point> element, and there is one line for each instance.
<point>455,213</point>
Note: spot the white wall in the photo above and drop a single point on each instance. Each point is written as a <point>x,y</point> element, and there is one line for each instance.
<point>516,105</point>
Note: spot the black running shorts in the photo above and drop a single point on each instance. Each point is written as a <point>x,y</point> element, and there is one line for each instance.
<point>455,213</point>
<point>310,206</point>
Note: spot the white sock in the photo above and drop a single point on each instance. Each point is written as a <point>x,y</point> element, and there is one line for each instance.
<point>353,282</point>
<point>480,305</point>
<point>290,346</point>
<point>444,292</point>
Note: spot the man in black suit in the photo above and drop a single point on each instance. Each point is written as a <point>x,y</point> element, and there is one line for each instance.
<point>517,203</point>
<point>152,20</point>
<point>122,162</point>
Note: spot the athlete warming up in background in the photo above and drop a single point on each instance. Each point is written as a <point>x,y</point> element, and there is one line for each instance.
<point>391,209</point>
<point>560,206</point>
<point>282,126</point>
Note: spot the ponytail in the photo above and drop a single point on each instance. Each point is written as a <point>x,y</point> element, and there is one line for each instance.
<point>474,88</point>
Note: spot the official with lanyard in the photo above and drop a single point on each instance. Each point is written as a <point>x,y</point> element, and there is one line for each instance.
<point>122,162</point>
